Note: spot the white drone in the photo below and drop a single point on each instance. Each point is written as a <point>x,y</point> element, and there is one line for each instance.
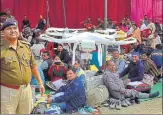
<point>87,40</point>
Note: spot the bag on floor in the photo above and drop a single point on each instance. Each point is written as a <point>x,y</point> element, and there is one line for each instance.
<point>40,108</point>
<point>53,109</point>
<point>148,79</point>
<point>96,96</point>
<point>144,88</point>
<point>89,110</point>
<point>93,79</point>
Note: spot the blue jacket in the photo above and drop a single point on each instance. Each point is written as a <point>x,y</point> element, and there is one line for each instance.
<point>157,56</point>
<point>135,71</point>
<point>34,81</point>
<point>74,95</point>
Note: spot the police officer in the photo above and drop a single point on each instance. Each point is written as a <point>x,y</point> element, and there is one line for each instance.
<point>17,66</point>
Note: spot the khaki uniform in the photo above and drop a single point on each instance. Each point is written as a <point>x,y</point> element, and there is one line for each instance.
<point>16,71</point>
<point>16,64</point>
<point>1,33</point>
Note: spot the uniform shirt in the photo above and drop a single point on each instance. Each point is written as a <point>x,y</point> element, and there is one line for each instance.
<point>16,64</point>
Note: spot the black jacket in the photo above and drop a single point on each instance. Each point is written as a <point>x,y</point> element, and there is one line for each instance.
<point>64,56</point>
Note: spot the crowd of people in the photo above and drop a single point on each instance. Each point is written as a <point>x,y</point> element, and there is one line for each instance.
<point>19,68</point>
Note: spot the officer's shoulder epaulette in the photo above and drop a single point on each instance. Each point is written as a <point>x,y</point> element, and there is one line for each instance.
<point>24,42</point>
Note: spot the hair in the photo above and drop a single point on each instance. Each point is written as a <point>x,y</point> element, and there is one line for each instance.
<point>115,50</point>
<point>159,46</point>
<point>71,69</point>
<point>47,52</point>
<point>3,13</point>
<point>7,9</point>
<point>145,52</point>
<point>60,45</point>
<point>108,62</point>
<point>134,24</point>
<point>78,60</point>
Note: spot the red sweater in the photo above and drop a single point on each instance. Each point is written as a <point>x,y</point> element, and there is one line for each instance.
<point>57,73</point>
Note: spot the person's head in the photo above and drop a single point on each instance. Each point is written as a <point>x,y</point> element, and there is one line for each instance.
<point>157,20</point>
<point>135,57</point>
<point>159,46</point>
<point>110,65</point>
<point>60,47</point>
<point>10,29</point>
<point>3,16</point>
<point>126,17</point>
<point>144,56</point>
<point>70,74</point>
<point>45,55</point>
<point>141,21</point>
<point>150,20</point>
<point>135,45</point>
<point>117,28</point>
<point>134,26</point>
<point>41,16</point>
<point>145,17</point>
<point>123,21</point>
<point>25,17</point>
<point>115,54</point>
<point>98,19</point>
<point>8,11</point>
<point>76,64</point>
<point>128,20</point>
<point>109,21</point>
<point>57,60</point>
<point>89,18</point>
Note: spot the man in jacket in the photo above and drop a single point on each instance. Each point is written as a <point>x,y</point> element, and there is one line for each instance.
<point>63,54</point>
<point>45,65</point>
<point>135,69</point>
<point>119,62</point>
<point>70,96</point>
<point>116,86</point>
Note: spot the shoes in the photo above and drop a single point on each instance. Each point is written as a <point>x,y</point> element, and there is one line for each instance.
<point>137,101</point>
<point>112,103</point>
<point>106,104</point>
<point>132,101</point>
<point>152,95</point>
<point>123,103</point>
<point>127,101</point>
<point>118,105</point>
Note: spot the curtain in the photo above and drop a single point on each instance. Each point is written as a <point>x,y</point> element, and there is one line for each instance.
<point>76,10</point>
<point>152,8</point>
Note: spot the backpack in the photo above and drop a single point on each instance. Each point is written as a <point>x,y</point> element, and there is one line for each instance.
<point>40,108</point>
<point>97,95</point>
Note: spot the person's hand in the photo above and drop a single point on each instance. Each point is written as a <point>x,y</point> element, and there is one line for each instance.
<point>49,100</point>
<point>123,92</point>
<point>49,95</point>
<point>42,89</point>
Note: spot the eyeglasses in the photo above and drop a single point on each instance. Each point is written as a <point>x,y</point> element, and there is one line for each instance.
<point>134,56</point>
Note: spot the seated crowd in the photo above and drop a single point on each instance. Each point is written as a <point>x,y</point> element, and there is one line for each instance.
<point>70,79</point>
